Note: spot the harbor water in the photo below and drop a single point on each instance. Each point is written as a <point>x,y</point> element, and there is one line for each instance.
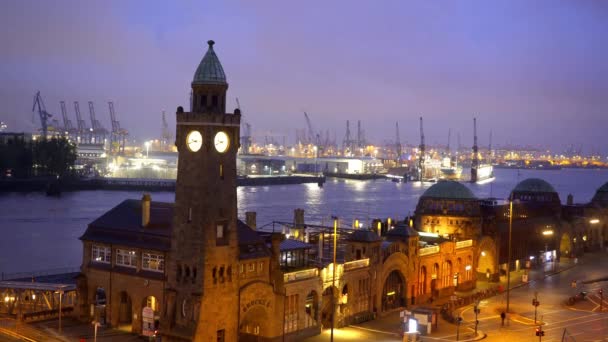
<point>40,232</point>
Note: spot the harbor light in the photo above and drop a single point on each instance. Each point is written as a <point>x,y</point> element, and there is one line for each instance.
<point>547,232</point>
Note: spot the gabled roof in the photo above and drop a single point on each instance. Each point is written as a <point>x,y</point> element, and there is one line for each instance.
<point>210,69</point>
<point>401,231</point>
<point>122,225</point>
<point>291,244</point>
<point>364,235</point>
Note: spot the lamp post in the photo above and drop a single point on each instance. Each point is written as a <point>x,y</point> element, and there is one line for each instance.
<point>509,252</point>
<point>60,292</point>
<point>333,280</point>
<point>476,308</point>
<point>458,321</point>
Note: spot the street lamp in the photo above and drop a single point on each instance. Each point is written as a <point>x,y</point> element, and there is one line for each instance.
<point>147,143</point>
<point>333,280</point>
<point>509,252</point>
<point>476,308</point>
<point>60,292</point>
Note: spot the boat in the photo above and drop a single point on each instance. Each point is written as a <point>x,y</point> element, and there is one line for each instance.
<point>450,170</point>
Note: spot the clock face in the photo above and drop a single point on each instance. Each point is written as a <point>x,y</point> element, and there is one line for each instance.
<point>221,142</point>
<point>194,141</point>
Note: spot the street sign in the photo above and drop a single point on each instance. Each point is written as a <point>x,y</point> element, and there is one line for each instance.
<point>147,317</point>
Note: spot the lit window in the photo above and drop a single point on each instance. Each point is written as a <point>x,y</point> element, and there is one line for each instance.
<point>153,262</point>
<point>126,258</point>
<point>251,267</point>
<point>260,267</point>
<point>242,268</point>
<point>101,254</point>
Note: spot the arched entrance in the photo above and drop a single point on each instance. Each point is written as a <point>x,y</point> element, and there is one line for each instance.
<point>99,304</point>
<point>312,309</point>
<point>565,246</point>
<point>125,312</point>
<point>327,312</point>
<point>422,285</point>
<point>150,315</point>
<point>487,261</point>
<point>254,324</point>
<point>393,292</point>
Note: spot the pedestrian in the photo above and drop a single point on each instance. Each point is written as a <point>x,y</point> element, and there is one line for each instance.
<point>502,318</point>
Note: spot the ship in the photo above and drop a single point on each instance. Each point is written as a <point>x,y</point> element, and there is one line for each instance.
<point>450,170</point>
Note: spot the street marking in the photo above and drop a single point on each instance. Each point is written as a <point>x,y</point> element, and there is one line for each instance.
<point>374,330</point>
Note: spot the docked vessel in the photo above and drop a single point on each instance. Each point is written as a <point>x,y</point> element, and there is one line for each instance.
<point>450,170</point>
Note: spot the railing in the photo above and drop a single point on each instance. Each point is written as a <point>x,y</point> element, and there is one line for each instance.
<point>353,265</point>
<point>300,275</point>
<point>39,273</point>
<point>464,243</point>
<point>429,250</point>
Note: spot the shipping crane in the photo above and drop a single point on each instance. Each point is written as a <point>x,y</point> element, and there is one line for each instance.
<point>99,133</point>
<point>475,159</point>
<point>246,139</point>
<point>119,135</point>
<point>83,131</point>
<point>398,147</point>
<point>165,134</point>
<point>490,149</point>
<point>422,150</point>
<point>67,123</point>
<point>42,113</point>
<point>312,137</point>
<point>347,144</point>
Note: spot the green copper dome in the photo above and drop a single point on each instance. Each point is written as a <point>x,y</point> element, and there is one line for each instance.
<point>449,190</point>
<point>210,69</point>
<point>534,185</point>
<point>601,196</point>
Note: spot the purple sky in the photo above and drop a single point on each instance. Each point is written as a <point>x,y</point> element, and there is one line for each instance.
<point>535,72</point>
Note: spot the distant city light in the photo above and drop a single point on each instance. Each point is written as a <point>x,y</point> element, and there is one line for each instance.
<point>548,232</point>
<point>594,221</point>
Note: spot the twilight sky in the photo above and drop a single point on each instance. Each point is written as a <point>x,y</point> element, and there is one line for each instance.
<point>534,72</point>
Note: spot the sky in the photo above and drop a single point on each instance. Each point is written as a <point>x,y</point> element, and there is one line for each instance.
<point>533,72</point>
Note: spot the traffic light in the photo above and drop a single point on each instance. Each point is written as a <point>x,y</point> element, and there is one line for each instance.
<point>537,331</point>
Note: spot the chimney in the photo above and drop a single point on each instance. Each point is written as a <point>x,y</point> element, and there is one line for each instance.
<point>250,219</point>
<point>145,210</point>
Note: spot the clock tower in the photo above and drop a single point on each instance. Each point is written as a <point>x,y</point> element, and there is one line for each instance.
<point>201,298</point>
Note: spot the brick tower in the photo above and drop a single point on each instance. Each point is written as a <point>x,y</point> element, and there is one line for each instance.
<point>201,298</point>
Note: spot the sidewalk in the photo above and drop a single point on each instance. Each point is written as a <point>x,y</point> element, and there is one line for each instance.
<point>446,330</point>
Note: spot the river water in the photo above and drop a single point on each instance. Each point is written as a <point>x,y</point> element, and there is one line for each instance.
<point>39,232</point>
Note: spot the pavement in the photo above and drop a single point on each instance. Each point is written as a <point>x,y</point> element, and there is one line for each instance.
<point>385,328</point>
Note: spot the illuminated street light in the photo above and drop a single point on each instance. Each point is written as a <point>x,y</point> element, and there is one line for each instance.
<point>594,221</point>
<point>147,143</point>
<point>509,257</point>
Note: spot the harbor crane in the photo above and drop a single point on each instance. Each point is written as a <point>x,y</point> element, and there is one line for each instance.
<point>475,159</point>
<point>99,133</point>
<point>42,113</point>
<point>422,150</point>
<point>398,147</point>
<point>67,123</point>
<point>165,134</point>
<point>83,131</point>
<point>246,139</point>
<point>119,135</point>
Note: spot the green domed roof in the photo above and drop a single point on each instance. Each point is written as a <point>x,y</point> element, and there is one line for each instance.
<point>210,69</point>
<point>449,189</point>
<point>601,196</point>
<point>533,185</point>
<point>603,188</point>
